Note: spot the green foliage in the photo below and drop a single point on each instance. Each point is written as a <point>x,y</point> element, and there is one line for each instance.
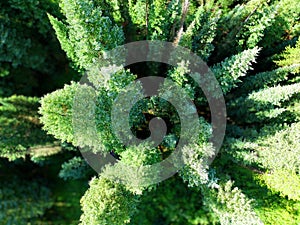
<point>18,47</point>
<point>178,75</point>
<point>137,12</point>
<point>269,206</point>
<point>195,171</point>
<point>41,154</point>
<point>22,201</point>
<point>267,79</point>
<point>106,202</point>
<point>265,146</point>
<point>140,155</point>
<point>58,118</point>
<point>265,104</point>
<point>157,24</point>
<point>232,206</point>
<point>200,33</point>
<point>29,48</point>
<point>20,127</point>
<point>227,72</point>
<point>275,95</point>
<point>176,203</point>
<point>285,25</point>
<point>75,168</point>
<point>231,69</point>
<point>284,142</point>
<point>263,109</point>
<point>291,56</point>
<point>56,110</point>
<point>287,183</point>
<point>274,214</point>
<point>270,25</point>
<point>86,33</point>
<point>229,27</point>
<point>116,6</point>
<point>270,143</point>
<point>254,26</point>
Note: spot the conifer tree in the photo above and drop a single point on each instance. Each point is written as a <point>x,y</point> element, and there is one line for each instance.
<point>236,40</point>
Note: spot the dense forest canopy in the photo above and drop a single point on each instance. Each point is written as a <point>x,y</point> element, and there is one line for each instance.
<point>50,52</point>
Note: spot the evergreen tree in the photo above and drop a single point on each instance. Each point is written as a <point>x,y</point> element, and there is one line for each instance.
<point>262,137</point>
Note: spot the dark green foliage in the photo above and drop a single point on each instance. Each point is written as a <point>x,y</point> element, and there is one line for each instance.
<point>30,57</point>
<point>18,46</point>
<point>285,25</point>
<point>22,201</point>
<point>204,24</point>
<point>250,46</point>
<point>257,23</point>
<point>156,22</point>
<point>267,79</point>
<point>173,202</point>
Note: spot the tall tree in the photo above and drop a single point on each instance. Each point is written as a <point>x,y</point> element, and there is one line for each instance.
<point>263,123</point>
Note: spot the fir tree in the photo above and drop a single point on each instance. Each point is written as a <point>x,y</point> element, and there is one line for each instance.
<point>263,103</point>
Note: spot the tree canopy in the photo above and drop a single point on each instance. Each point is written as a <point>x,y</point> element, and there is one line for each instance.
<point>51,55</point>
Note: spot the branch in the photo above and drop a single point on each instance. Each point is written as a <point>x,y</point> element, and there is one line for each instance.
<point>183,16</point>
<point>147,18</point>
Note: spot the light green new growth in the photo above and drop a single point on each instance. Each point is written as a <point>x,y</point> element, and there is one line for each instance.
<point>106,202</point>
